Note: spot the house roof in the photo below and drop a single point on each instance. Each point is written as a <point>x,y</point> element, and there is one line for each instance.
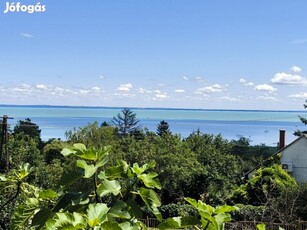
<point>292,143</point>
<point>279,151</point>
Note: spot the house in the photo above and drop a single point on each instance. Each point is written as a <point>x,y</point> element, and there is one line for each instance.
<point>293,158</point>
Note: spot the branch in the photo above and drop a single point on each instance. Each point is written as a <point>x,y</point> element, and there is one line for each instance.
<point>13,197</point>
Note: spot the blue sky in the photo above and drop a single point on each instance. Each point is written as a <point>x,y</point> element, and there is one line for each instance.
<point>156,53</point>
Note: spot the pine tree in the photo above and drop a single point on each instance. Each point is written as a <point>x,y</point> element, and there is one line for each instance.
<point>126,122</point>
<point>163,127</point>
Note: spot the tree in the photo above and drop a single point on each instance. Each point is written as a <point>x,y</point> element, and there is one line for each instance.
<point>163,127</point>
<point>126,122</point>
<point>304,121</point>
<point>29,128</point>
<point>221,169</point>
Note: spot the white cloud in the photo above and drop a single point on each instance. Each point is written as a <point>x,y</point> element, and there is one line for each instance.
<point>26,35</point>
<point>185,78</point>
<point>199,79</point>
<point>301,95</point>
<point>125,87</point>
<point>232,99</point>
<point>216,88</point>
<point>179,91</point>
<point>161,96</point>
<point>41,86</point>
<point>96,89</point>
<point>265,87</point>
<point>102,77</point>
<point>84,91</point>
<point>250,84</point>
<point>266,98</point>
<point>25,88</point>
<point>288,79</point>
<point>142,90</point>
<point>244,82</point>
<point>296,69</point>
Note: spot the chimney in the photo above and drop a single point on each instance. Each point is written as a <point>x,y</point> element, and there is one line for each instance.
<point>282,139</point>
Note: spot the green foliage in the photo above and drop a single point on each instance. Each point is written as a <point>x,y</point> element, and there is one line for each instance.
<point>103,206</point>
<point>200,166</point>
<point>249,213</point>
<point>210,217</point>
<point>27,127</point>
<point>93,135</point>
<point>52,151</point>
<point>265,183</point>
<point>220,168</point>
<point>173,210</point>
<point>251,156</point>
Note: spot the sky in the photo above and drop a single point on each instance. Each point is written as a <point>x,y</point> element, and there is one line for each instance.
<point>220,54</point>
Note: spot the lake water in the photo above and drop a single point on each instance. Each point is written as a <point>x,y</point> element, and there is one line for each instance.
<point>259,126</point>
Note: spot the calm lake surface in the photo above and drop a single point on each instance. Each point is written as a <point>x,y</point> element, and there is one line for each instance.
<point>259,126</point>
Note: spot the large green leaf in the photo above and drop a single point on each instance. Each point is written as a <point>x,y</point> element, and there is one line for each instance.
<point>41,217</point>
<point>139,170</point>
<point>180,222</point>
<point>24,171</point>
<point>67,221</point>
<point>171,223</point>
<point>222,218</point>
<point>51,224</point>
<point>48,194</point>
<point>118,210</point>
<point>103,152</point>
<point>67,152</point>
<point>24,213</point>
<point>110,225</point>
<point>118,171</point>
<point>69,178</point>
<point>135,209</point>
<point>96,214</point>
<point>128,226</point>
<point>109,186</point>
<point>208,221</point>
<point>66,200</point>
<point>89,170</point>
<point>87,154</point>
<point>91,153</point>
<point>150,180</point>
<point>225,208</point>
<point>152,201</point>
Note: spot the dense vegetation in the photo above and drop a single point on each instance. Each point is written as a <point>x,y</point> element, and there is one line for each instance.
<point>202,167</point>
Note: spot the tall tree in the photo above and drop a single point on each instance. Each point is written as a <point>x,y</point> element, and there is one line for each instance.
<point>126,122</point>
<point>27,127</point>
<point>163,127</point>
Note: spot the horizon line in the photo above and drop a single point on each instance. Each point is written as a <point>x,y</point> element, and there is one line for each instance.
<point>144,108</point>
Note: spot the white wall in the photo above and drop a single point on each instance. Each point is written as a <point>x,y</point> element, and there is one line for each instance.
<point>296,153</point>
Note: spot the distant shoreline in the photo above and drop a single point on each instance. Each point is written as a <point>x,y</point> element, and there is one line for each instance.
<point>145,108</point>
